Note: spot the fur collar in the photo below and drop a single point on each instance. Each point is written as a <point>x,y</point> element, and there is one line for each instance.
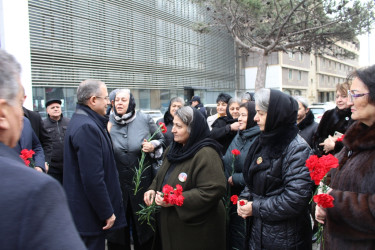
<point>360,137</point>
<point>309,119</point>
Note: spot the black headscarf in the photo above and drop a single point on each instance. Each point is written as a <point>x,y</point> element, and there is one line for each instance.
<point>250,106</point>
<point>280,128</point>
<point>198,138</point>
<point>168,118</point>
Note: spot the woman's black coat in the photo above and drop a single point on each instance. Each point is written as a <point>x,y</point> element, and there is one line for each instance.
<point>278,182</point>
<point>333,120</point>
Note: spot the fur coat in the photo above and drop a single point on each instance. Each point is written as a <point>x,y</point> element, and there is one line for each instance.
<point>351,222</point>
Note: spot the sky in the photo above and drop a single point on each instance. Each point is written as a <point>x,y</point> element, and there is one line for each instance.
<point>367,51</point>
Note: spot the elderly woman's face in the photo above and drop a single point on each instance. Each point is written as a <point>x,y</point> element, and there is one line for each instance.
<point>122,103</point>
<point>242,119</point>
<point>342,100</point>
<point>234,110</point>
<point>362,110</point>
<point>221,108</point>
<point>180,131</point>
<point>260,118</point>
<point>174,107</point>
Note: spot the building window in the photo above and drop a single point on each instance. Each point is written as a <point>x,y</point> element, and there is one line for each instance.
<point>291,55</point>
<point>290,74</point>
<point>300,56</point>
<point>299,75</point>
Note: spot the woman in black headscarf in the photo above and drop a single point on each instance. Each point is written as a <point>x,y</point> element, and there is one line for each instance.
<point>174,104</point>
<point>193,161</point>
<point>248,132</point>
<point>278,185</point>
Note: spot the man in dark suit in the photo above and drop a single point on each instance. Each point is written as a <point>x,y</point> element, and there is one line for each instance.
<point>90,175</point>
<point>42,134</point>
<point>34,213</point>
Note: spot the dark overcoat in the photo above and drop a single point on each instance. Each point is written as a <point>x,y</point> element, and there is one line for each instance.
<point>333,120</point>
<point>34,213</point>
<point>90,174</point>
<point>350,224</point>
<point>307,128</point>
<point>200,222</point>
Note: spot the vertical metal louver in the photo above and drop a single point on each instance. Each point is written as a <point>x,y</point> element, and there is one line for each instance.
<point>143,44</point>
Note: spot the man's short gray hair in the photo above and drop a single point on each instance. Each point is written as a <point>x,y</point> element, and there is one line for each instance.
<point>262,99</point>
<point>186,115</point>
<point>302,100</point>
<point>88,88</point>
<point>10,71</point>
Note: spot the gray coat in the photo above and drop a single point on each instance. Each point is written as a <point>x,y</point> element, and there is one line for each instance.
<point>127,143</point>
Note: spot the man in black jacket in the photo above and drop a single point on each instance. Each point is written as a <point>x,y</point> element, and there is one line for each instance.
<point>56,125</point>
<point>305,120</point>
<point>196,103</point>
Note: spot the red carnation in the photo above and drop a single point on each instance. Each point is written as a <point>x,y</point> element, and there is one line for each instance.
<point>242,203</point>
<point>178,190</point>
<point>163,128</point>
<point>340,138</point>
<point>319,167</point>
<point>236,152</point>
<point>27,156</point>
<point>234,199</point>
<point>173,195</point>
<point>329,161</point>
<point>324,200</point>
<point>167,189</point>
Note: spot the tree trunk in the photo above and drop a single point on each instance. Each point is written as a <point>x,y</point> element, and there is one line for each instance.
<point>260,81</point>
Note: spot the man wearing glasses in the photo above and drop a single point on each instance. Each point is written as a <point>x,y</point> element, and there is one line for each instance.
<point>90,175</point>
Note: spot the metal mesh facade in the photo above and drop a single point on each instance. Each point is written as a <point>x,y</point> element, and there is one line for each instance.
<point>143,44</point>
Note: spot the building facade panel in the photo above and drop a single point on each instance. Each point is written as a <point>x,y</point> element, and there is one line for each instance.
<point>147,46</point>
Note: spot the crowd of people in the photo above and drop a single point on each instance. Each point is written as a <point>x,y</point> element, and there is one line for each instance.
<point>95,172</point>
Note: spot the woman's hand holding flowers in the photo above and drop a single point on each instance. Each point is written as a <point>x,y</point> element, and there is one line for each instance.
<point>147,146</point>
<point>159,200</point>
<point>244,210</point>
<point>148,197</point>
<point>328,144</point>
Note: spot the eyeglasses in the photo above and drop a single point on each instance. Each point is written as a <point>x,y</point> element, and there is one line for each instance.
<point>105,97</point>
<point>352,95</point>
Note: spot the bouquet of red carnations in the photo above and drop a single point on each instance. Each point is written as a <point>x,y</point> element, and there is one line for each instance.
<point>27,156</point>
<point>319,167</point>
<point>170,196</point>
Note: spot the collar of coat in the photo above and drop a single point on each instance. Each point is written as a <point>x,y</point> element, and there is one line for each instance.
<point>360,137</point>
<point>309,119</point>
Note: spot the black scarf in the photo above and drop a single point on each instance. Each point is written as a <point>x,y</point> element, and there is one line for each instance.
<point>199,138</point>
<point>280,130</point>
<point>250,106</point>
